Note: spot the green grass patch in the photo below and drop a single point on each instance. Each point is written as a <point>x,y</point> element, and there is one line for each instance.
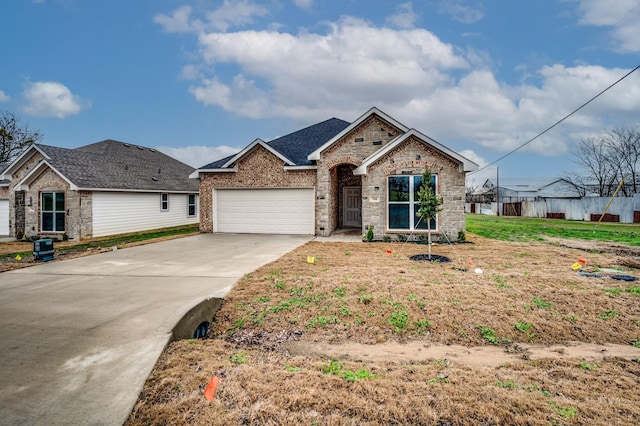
<point>541,304</point>
<point>335,368</point>
<point>488,334</point>
<point>531,229</point>
<point>609,314</point>
<point>587,366</point>
<point>117,240</point>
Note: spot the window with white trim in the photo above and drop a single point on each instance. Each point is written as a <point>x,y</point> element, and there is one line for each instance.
<point>52,212</point>
<point>191,205</point>
<point>402,203</point>
<point>164,202</point>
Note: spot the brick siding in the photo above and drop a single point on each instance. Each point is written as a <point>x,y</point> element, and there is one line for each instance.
<point>261,169</point>
<point>258,169</point>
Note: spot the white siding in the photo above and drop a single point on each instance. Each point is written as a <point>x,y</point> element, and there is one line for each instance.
<point>4,217</point>
<point>265,211</point>
<point>122,212</point>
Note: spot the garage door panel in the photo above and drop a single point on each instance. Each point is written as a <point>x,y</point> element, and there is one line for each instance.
<point>4,217</point>
<point>266,211</point>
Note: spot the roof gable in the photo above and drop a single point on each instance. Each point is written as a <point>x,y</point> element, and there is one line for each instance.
<point>113,165</point>
<point>466,164</point>
<point>20,160</point>
<point>36,172</point>
<point>258,142</point>
<point>293,148</point>
<point>315,155</point>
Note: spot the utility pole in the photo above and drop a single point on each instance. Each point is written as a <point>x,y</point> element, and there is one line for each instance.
<point>498,190</point>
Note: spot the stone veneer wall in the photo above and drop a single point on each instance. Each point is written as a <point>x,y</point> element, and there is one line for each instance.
<point>25,206</point>
<point>450,181</point>
<point>354,147</point>
<point>14,207</point>
<point>48,181</point>
<point>259,169</point>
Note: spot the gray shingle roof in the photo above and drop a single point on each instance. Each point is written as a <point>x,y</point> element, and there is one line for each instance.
<point>298,145</point>
<point>117,165</point>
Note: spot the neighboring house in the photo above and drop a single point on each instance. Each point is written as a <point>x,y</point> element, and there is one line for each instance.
<point>105,188</point>
<point>530,189</point>
<point>334,175</point>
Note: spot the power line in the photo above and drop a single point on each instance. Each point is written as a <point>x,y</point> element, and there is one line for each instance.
<point>559,121</point>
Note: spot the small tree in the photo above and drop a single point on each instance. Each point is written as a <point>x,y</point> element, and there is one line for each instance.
<point>428,202</point>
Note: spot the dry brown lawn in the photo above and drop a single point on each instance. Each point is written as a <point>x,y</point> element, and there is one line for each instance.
<point>364,337</point>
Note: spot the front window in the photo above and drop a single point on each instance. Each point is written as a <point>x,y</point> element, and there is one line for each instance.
<point>164,202</point>
<point>402,203</point>
<point>191,205</point>
<point>53,212</point>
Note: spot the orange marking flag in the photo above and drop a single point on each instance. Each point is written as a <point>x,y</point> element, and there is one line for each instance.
<point>210,390</point>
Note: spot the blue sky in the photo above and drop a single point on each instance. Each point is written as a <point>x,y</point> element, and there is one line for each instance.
<point>200,79</point>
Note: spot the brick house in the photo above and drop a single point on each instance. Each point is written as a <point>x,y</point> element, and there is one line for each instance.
<point>100,189</point>
<point>334,175</point>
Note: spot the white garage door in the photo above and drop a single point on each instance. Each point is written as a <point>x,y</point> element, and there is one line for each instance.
<point>4,217</point>
<point>264,211</point>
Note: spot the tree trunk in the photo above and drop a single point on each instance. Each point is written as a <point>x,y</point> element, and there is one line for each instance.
<point>429,236</point>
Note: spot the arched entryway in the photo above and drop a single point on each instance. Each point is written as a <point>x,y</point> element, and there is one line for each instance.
<point>348,197</point>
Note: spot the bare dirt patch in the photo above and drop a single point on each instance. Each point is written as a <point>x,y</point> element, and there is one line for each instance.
<point>472,356</point>
<point>630,255</point>
<point>356,333</point>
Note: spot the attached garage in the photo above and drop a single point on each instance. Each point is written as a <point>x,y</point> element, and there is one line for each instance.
<point>264,211</point>
<point>4,217</point>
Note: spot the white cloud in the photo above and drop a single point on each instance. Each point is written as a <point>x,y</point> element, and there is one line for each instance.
<point>303,4</point>
<point>354,65</point>
<point>229,14</point>
<point>461,12</point>
<point>622,19</point>
<point>51,99</point>
<point>196,155</point>
<point>447,92</point>
<point>405,17</point>
<point>4,97</point>
<point>473,156</point>
<point>178,22</point>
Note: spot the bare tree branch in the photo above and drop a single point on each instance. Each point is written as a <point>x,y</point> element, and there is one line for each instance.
<point>14,137</point>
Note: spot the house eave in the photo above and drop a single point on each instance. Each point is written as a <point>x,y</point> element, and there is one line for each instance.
<point>196,174</point>
<point>23,185</point>
<point>155,191</point>
<point>22,158</point>
<point>248,148</point>
<point>294,168</point>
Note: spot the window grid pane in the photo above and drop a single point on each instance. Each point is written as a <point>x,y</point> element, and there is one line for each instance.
<point>399,188</point>
<point>402,205</point>
<point>47,201</point>
<point>53,212</point>
<point>398,216</point>
<point>59,201</point>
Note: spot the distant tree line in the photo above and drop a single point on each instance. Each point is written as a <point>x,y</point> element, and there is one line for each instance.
<point>603,161</point>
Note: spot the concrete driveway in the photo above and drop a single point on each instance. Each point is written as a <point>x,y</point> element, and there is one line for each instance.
<point>79,337</point>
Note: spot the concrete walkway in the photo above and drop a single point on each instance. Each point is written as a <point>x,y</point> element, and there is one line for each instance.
<point>79,337</point>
